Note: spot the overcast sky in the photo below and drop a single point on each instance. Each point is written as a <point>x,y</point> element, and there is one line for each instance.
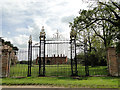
<point>21,18</point>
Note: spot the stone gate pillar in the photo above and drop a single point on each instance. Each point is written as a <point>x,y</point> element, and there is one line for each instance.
<point>112,61</point>
<point>5,61</point>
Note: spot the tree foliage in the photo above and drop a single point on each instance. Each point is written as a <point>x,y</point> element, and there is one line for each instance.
<point>100,26</point>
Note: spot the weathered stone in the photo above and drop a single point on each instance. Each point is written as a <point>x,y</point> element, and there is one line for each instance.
<point>6,56</point>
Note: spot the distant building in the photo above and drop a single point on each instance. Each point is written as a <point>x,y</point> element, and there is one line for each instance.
<point>53,60</point>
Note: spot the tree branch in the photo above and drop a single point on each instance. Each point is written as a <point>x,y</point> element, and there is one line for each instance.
<point>117,16</point>
<point>98,34</point>
<point>114,23</point>
<point>115,5</point>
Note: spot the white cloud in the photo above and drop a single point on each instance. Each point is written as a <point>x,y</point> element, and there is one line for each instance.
<point>28,16</point>
<point>23,30</point>
<point>67,19</point>
<point>21,41</point>
<point>8,32</point>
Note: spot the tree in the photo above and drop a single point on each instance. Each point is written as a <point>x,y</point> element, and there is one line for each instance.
<point>108,11</point>
<point>105,16</point>
<point>104,20</point>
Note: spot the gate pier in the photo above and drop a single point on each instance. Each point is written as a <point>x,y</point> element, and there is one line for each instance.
<point>42,53</point>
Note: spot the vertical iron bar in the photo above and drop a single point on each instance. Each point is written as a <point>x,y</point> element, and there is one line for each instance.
<point>28,60</point>
<point>76,72</point>
<point>44,59</point>
<point>40,58</point>
<point>71,58</point>
<point>30,57</point>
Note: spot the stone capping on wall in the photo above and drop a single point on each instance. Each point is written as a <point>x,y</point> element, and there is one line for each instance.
<point>112,61</point>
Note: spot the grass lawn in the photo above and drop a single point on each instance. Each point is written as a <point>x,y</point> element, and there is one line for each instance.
<point>56,70</point>
<point>20,70</point>
<point>87,82</point>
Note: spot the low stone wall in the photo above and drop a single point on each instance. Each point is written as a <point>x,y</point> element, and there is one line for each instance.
<point>113,61</point>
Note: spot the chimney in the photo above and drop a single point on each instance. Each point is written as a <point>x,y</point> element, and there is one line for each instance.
<point>61,55</point>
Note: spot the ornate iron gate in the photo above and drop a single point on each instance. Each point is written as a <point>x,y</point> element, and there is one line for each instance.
<point>55,58</point>
<point>59,65</point>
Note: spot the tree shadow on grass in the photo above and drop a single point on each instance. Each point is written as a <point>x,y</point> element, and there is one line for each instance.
<point>87,77</point>
<point>73,78</point>
<point>110,77</point>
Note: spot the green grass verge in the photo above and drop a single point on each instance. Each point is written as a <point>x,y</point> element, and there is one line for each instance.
<point>56,70</point>
<point>87,82</point>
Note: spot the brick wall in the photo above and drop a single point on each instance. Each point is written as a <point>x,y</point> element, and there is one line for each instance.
<point>118,60</point>
<point>112,61</point>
